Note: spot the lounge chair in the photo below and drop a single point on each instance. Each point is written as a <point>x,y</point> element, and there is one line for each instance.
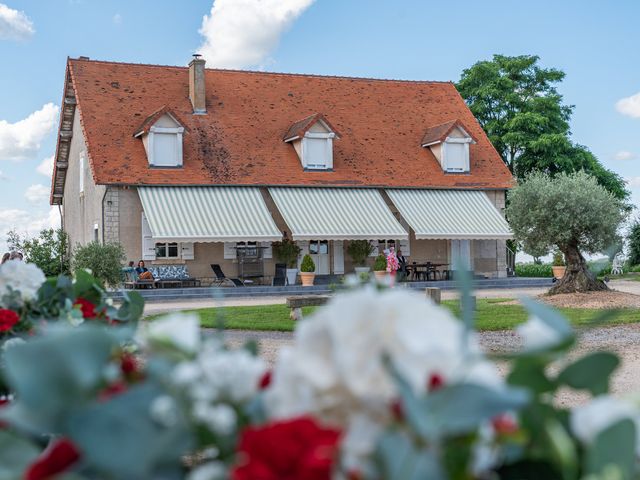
<point>280,278</point>
<point>221,279</point>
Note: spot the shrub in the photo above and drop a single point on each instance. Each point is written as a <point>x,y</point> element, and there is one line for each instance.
<point>558,259</point>
<point>359,250</point>
<point>307,265</point>
<point>380,264</point>
<point>534,270</point>
<point>600,267</point>
<point>286,251</point>
<point>633,239</point>
<point>48,251</point>
<point>104,260</point>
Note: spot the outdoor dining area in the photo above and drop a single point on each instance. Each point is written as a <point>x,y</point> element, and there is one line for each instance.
<point>426,271</point>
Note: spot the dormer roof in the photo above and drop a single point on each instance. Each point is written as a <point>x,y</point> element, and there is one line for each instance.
<point>154,117</point>
<point>299,128</point>
<point>439,133</point>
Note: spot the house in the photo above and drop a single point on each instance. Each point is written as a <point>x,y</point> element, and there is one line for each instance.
<point>194,166</point>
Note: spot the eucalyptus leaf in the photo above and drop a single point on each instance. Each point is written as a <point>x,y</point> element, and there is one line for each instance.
<point>132,307</point>
<point>591,372</point>
<point>563,450</point>
<point>16,454</point>
<point>529,371</point>
<point>399,458</point>
<point>614,447</point>
<point>550,316</point>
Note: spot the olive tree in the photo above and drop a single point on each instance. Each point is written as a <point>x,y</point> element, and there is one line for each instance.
<point>570,212</point>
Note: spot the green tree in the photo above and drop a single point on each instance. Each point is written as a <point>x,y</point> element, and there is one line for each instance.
<point>570,212</point>
<point>518,105</point>
<point>104,260</point>
<point>633,239</point>
<point>49,250</point>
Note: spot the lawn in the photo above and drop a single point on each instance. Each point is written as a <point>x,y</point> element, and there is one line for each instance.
<point>492,314</point>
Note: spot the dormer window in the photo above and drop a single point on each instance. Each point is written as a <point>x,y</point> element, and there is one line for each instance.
<point>312,138</point>
<point>161,135</point>
<point>449,143</point>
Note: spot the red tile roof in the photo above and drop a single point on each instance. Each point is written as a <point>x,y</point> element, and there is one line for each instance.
<point>438,133</point>
<point>301,127</point>
<point>239,140</point>
<point>154,117</point>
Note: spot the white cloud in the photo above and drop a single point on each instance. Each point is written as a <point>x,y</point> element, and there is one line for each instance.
<point>37,193</point>
<point>633,181</point>
<point>242,33</point>
<point>46,167</point>
<point>14,25</point>
<point>27,223</point>
<point>629,106</point>
<point>21,140</point>
<point>3,176</point>
<point>625,155</point>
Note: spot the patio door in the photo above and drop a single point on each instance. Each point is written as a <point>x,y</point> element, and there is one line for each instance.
<point>461,255</point>
<point>319,251</point>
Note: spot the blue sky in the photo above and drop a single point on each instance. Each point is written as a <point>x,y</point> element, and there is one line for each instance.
<point>592,41</point>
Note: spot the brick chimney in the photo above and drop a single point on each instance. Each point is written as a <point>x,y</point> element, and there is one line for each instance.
<point>196,85</point>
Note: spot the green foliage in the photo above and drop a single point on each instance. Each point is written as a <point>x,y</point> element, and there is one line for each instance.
<point>558,259</point>
<point>359,250</point>
<point>542,270</point>
<point>286,251</point>
<point>49,250</point>
<point>380,263</point>
<point>633,242</point>
<point>103,260</point>
<point>517,103</point>
<point>564,212</point>
<point>307,264</point>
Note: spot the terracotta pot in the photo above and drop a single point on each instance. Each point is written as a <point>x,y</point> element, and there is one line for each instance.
<point>307,278</point>
<point>382,276</point>
<point>558,272</point>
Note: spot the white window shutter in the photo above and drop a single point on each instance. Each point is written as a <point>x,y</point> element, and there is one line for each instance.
<point>148,244</point>
<point>405,246</point>
<point>187,251</point>
<point>338,257</point>
<point>229,250</point>
<point>267,251</point>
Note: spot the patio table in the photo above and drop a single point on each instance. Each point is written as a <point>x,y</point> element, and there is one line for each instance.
<point>421,268</point>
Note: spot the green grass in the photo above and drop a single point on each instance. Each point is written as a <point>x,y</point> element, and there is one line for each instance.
<point>492,314</point>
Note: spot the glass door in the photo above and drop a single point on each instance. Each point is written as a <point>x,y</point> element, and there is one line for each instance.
<point>319,251</point>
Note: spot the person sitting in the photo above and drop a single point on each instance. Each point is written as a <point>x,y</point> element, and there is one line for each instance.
<point>403,271</point>
<point>143,272</point>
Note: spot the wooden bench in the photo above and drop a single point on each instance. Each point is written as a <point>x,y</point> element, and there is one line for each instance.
<point>296,303</point>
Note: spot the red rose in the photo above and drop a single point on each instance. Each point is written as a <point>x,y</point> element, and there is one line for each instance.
<point>128,364</point>
<point>504,424</point>
<point>287,450</point>
<point>56,458</point>
<point>8,318</point>
<point>87,308</point>
<point>265,381</point>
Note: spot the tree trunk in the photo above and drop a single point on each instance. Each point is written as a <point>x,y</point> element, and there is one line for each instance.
<point>577,278</point>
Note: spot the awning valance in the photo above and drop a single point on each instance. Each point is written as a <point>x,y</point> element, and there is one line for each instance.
<point>208,214</point>
<point>337,214</point>
<point>450,214</point>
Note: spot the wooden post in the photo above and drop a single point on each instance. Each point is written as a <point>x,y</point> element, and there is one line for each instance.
<point>296,314</point>
<point>434,294</point>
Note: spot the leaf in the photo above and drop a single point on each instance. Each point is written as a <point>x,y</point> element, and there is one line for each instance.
<point>132,307</point>
<point>399,458</point>
<point>613,447</point>
<point>591,372</point>
<point>563,450</point>
<point>16,454</point>
<point>529,372</point>
<point>552,317</point>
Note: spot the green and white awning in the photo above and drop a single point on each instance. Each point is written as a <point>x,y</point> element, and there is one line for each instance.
<point>336,214</point>
<point>208,214</point>
<point>450,214</point>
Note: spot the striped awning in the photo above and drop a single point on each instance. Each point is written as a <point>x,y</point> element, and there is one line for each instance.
<point>208,214</point>
<point>450,214</point>
<point>336,214</point>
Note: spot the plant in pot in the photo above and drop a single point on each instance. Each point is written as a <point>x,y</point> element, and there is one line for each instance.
<point>380,268</point>
<point>359,251</point>
<point>558,267</point>
<point>307,271</point>
<point>286,251</point>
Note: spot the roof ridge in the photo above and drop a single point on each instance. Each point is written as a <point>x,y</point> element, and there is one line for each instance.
<point>262,72</point>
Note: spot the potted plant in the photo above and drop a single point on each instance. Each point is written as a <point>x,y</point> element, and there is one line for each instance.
<point>286,251</point>
<point>558,267</point>
<point>359,251</point>
<point>307,271</point>
<point>380,268</point>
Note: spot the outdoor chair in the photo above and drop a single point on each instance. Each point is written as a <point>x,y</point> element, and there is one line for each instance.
<point>280,278</point>
<point>221,279</point>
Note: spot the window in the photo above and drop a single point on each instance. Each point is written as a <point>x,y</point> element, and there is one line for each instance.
<point>165,150</point>
<point>167,250</point>
<point>317,152</point>
<point>96,232</point>
<point>455,156</point>
<point>81,173</point>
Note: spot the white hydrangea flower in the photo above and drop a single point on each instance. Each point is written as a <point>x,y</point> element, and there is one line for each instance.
<point>21,276</point>
<point>220,418</point>
<point>12,342</point>
<point>208,471</point>
<point>179,329</point>
<point>587,421</point>
<point>536,334</point>
<point>164,410</point>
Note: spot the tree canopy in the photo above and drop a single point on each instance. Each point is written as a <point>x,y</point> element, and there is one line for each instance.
<point>49,250</point>
<point>570,212</point>
<point>517,103</point>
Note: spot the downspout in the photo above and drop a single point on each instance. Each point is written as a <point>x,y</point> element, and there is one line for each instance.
<point>66,252</point>
<point>102,211</point>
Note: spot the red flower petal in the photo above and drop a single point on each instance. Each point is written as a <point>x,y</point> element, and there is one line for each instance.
<point>265,381</point>
<point>56,458</point>
<point>87,308</point>
<point>504,424</point>
<point>436,382</point>
<point>8,319</point>
<point>128,364</point>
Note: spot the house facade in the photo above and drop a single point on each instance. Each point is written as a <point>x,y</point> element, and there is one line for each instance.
<point>200,166</point>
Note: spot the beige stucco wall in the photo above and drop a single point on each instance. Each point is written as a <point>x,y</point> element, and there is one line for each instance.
<point>81,211</point>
